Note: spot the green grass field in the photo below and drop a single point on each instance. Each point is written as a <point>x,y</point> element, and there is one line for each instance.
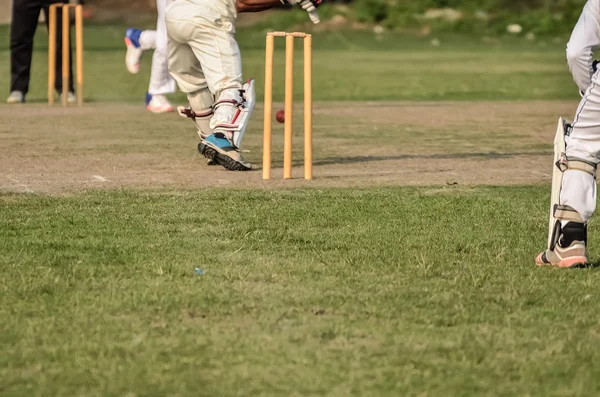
<point>347,66</point>
<point>305,292</point>
<point>337,287</point>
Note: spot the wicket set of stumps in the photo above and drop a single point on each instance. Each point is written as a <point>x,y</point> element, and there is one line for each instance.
<point>66,25</point>
<point>289,86</point>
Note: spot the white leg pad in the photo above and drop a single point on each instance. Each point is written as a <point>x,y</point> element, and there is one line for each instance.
<point>200,111</point>
<point>557,176</point>
<point>562,163</point>
<point>232,112</point>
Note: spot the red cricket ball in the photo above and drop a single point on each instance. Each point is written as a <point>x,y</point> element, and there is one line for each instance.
<point>280,116</point>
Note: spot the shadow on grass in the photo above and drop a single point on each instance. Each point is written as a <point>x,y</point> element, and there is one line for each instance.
<point>485,156</point>
<point>595,264</point>
<point>450,156</point>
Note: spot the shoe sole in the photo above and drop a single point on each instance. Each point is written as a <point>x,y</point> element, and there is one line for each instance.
<point>208,161</point>
<point>221,159</point>
<point>160,110</point>
<point>576,262</point>
<point>135,68</point>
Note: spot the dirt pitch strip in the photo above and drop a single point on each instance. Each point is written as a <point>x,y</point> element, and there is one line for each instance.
<point>57,151</point>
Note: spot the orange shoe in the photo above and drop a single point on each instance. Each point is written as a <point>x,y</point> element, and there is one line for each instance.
<point>158,104</point>
<point>570,251</point>
<point>571,257</point>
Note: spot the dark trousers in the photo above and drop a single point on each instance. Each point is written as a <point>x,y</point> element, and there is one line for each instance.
<point>25,15</point>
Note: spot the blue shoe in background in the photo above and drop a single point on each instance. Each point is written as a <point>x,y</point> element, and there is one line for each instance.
<point>134,50</point>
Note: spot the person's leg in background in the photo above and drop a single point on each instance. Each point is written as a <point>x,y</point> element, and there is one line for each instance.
<point>161,82</point>
<point>25,15</point>
<point>138,41</point>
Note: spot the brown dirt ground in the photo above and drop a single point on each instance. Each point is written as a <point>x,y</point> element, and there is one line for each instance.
<point>58,151</point>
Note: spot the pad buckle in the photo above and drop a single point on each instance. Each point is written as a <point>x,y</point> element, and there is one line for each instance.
<point>562,163</point>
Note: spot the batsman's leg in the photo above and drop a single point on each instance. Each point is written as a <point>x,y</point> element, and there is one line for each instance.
<point>574,184</point>
<point>186,70</point>
<point>218,65</point>
<point>215,46</point>
<point>222,145</point>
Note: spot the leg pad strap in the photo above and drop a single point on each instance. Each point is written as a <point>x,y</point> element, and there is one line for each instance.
<point>576,164</point>
<point>566,213</point>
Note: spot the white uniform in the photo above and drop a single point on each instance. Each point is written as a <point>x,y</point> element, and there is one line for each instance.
<point>161,82</point>
<point>579,187</point>
<point>204,58</point>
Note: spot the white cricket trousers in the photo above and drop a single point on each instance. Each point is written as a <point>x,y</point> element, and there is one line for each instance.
<point>578,187</point>
<point>204,57</point>
<point>161,81</point>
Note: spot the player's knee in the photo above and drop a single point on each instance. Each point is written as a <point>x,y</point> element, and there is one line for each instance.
<point>201,100</point>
